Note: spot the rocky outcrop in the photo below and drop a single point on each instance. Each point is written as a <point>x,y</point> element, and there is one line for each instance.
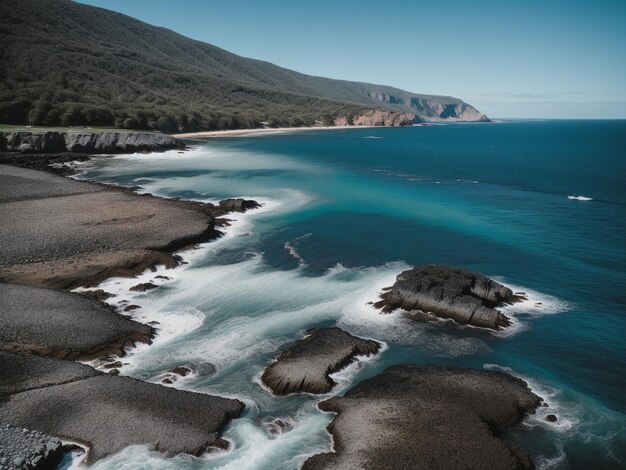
<point>234,205</point>
<point>91,231</point>
<point>307,365</point>
<point>87,142</point>
<point>108,413</point>
<point>64,325</point>
<point>428,417</point>
<point>464,296</point>
<point>23,448</point>
<point>378,117</point>
<point>429,108</point>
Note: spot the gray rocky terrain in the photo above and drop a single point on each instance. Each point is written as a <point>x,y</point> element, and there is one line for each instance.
<point>64,325</point>
<point>21,448</point>
<point>428,417</point>
<point>108,413</point>
<point>59,233</point>
<point>306,366</point>
<point>448,292</point>
<point>62,233</point>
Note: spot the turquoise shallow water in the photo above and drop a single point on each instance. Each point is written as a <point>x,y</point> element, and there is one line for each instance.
<point>347,210</point>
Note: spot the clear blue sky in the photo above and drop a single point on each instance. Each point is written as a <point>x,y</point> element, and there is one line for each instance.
<point>527,58</point>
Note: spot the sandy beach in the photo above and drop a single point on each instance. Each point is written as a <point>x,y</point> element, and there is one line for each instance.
<point>265,130</point>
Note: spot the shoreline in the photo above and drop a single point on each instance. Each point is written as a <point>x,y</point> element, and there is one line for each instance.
<point>265,130</point>
<point>94,232</point>
<point>120,401</point>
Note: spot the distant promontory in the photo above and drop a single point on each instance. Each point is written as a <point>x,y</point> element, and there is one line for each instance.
<point>69,64</point>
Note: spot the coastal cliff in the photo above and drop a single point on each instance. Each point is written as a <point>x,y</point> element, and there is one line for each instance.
<point>378,117</point>
<point>86,142</point>
<point>107,69</point>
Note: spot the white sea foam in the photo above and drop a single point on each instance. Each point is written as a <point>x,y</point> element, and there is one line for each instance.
<point>567,414</point>
<point>236,316</point>
<point>291,249</point>
<point>536,304</point>
<point>580,198</point>
<point>345,377</point>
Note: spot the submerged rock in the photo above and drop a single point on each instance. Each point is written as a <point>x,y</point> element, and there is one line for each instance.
<point>183,371</point>
<point>307,365</point>
<point>448,292</point>
<point>278,426</point>
<point>428,417</point>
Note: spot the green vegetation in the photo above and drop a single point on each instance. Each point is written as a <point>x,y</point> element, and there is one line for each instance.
<point>69,64</point>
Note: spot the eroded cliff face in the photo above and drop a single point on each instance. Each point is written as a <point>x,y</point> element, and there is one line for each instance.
<point>379,117</point>
<point>86,142</point>
<point>434,111</point>
<point>433,108</point>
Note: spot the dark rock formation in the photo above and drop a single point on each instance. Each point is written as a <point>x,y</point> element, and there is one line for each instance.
<point>305,367</point>
<point>91,231</point>
<point>88,142</point>
<point>108,413</point>
<point>97,294</point>
<point>24,448</point>
<point>235,205</point>
<point>379,117</point>
<point>277,426</point>
<point>428,417</point>
<point>64,325</point>
<point>464,296</point>
<point>183,371</point>
<point>144,286</point>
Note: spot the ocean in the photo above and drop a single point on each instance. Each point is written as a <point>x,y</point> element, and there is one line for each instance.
<point>538,205</point>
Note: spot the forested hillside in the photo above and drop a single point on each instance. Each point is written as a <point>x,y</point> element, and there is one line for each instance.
<point>64,63</point>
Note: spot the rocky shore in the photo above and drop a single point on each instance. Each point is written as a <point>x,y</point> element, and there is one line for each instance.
<point>93,231</point>
<point>76,141</point>
<point>23,448</point>
<point>68,326</point>
<point>428,417</point>
<point>448,292</point>
<point>59,234</point>
<point>108,413</point>
<point>306,366</point>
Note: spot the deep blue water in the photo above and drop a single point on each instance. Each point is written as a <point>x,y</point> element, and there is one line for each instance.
<point>358,206</point>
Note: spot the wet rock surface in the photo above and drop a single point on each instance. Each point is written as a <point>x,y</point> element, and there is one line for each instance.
<point>448,292</point>
<point>93,231</point>
<point>307,365</point>
<point>428,417</point>
<point>143,287</point>
<point>108,413</point>
<point>22,448</point>
<point>64,325</point>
